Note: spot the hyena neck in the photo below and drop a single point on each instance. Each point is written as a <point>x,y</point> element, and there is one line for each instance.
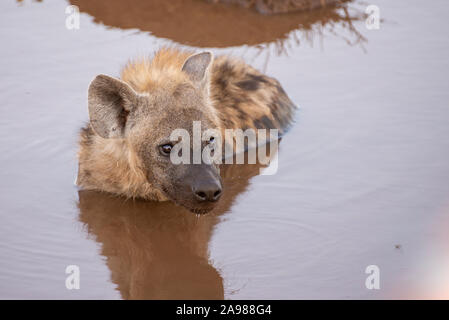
<point>111,165</point>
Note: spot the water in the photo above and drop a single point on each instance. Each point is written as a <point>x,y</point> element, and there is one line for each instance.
<point>362,180</point>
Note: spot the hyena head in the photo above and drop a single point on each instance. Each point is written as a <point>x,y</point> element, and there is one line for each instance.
<point>147,121</point>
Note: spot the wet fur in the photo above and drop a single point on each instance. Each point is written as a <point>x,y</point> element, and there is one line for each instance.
<point>240,97</point>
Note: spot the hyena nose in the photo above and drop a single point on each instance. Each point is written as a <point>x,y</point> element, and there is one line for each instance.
<point>210,191</point>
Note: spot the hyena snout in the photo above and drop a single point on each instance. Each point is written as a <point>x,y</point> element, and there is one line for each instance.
<point>207,190</point>
<point>205,184</point>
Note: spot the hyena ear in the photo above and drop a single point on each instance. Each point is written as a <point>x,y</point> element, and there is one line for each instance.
<point>197,67</point>
<point>109,101</point>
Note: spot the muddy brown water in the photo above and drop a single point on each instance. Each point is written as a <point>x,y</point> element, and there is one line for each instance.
<point>362,176</point>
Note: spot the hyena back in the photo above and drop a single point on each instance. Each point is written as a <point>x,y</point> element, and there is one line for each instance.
<point>124,149</point>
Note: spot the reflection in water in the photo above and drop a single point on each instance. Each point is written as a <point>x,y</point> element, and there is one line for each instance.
<point>281,6</point>
<point>157,250</point>
<point>202,24</point>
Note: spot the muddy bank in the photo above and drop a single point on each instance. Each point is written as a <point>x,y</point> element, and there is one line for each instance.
<point>203,24</point>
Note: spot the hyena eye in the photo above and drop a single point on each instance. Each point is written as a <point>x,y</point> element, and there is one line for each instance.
<point>165,149</point>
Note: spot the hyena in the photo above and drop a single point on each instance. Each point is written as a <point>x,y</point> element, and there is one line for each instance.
<point>125,148</point>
